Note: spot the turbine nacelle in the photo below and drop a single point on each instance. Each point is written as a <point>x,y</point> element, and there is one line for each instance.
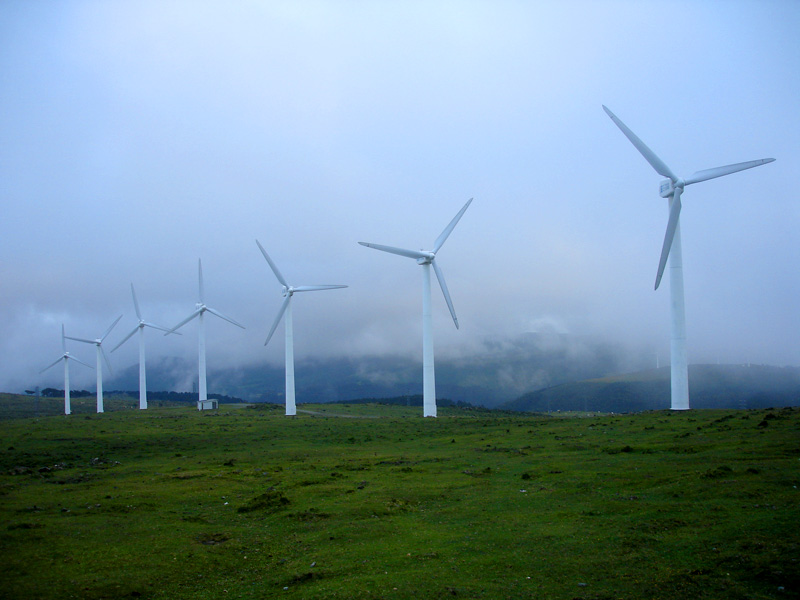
<point>427,259</point>
<point>668,187</point>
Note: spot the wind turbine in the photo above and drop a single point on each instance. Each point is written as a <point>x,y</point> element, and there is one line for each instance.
<point>200,310</point>
<point>672,189</point>
<point>426,258</point>
<point>142,369</point>
<point>66,357</point>
<point>286,309</point>
<point>101,356</point>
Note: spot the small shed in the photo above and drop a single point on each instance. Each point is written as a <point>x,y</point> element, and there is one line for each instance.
<point>207,405</point>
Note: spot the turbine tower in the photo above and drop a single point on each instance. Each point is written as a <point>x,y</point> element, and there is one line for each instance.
<point>286,309</point>
<point>426,258</point>
<point>101,356</point>
<point>142,369</point>
<point>672,189</point>
<point>200,310</point>
<point>66,357</point>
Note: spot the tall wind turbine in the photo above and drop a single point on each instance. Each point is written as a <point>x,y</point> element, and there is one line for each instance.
<point>672,189</point>
<point>426,258</point>
<point>66,357</point>
<point>101,356</point>
<point>142,370</point>
<point>286,309</point>
<point>200,310</point>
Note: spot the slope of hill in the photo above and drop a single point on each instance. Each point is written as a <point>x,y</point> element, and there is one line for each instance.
<point>496,371</point>
<point>710,386</point>
<point>173,503</point>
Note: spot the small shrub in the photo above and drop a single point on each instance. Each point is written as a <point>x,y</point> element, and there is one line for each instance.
<point>270,501</point>
<point>721,471</point>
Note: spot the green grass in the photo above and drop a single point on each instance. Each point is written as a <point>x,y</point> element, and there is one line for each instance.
<point>15,406</point>
<point>247,503</point>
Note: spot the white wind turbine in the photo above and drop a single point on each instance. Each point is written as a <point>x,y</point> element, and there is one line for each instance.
<point>101,356</point>
<point>426,258</point>
<point>142,370</point>
<point>66,357</point>
<point>286,309</point>
<point>200,310</point>
<point>672,188</point>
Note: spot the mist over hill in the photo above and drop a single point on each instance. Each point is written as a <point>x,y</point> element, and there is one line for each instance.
<point>710,386</point>
<point>497,371</point>
<point>531,372</point>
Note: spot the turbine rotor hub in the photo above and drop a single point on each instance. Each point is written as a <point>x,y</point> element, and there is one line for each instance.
<point>668,187</point>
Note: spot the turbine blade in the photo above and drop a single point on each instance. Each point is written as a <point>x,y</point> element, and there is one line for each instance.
<point>443,285</point>
<point>105,358</point>
<point>126,338</point>
<point>221,316</point>
<point>272,265</point>
<point>105,335</point>
<point>448,230</point>
<point>153,326</point>
<point>185,321</point>
<point>200,280</point>
<point>136,304</point>
<point>650,156</point>
<point>70,357</point>
<point>52,365</point>
<point>63,339</point>
<point>672,225</point>
<point>80,340</point>
<point>282,310</point>
<point>316,288</point>
<point>726,170</point>
<point>400,251</point>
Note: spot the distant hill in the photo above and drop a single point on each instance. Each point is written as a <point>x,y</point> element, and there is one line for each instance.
<point>710,386</point>
<point>186,397</point>
<point>496,371</point>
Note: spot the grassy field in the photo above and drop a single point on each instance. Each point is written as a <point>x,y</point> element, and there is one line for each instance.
<point>16,406</point>
<point>372,501</point>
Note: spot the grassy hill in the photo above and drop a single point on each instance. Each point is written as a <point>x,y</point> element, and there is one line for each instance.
<point>710,386</point>
<point>368,501</point>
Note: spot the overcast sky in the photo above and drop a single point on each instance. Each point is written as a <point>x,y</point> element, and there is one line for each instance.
<point>138,136</point>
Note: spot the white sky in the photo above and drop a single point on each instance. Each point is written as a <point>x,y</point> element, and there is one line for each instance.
<point>137,137</point>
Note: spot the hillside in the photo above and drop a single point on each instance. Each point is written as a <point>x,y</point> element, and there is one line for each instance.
<point>170,503</point>
<point>496,371</point>
<point>710,386</point>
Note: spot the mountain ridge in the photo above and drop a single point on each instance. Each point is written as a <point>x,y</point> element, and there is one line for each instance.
<point>710,386</point>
